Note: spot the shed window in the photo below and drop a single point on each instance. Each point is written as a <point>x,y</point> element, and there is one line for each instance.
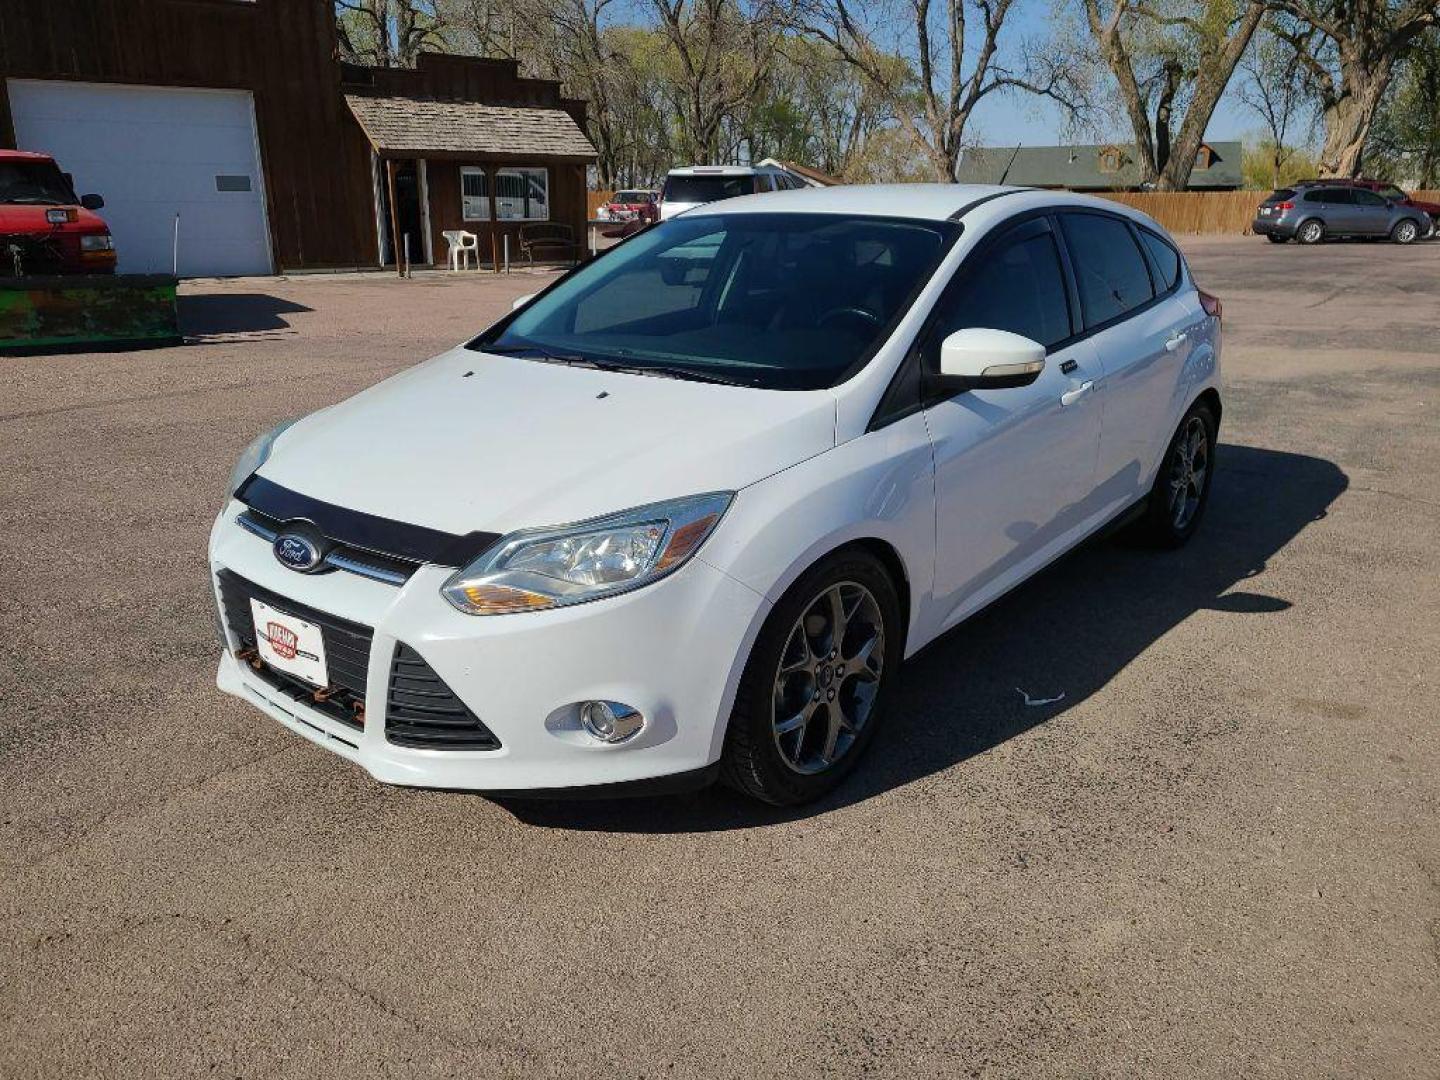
<point>522,195</point>
<point>474,194</point>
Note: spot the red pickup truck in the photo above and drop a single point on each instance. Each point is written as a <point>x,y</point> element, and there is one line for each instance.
<point>44,228</point>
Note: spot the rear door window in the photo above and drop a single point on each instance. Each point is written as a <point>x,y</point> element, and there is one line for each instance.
<point>1367,198</point>
<point>1109,269</point>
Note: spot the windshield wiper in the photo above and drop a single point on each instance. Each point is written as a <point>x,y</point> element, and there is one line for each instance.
<point>664,371</point>
<point>31,200</point>
<point>545,356</point>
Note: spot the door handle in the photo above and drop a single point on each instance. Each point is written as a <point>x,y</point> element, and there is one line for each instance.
<point>1072,396</point>
<point>1176,341</point>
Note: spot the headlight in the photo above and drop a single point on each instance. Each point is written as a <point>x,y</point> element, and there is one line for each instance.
<point>545,568</point>
<point>97,243</point>
<point>253,456</point>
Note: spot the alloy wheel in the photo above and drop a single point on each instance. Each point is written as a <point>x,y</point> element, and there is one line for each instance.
<point>1311,233</point>
<point>828,677</point>
<point>1189,466</point>
<point>1405,232</point>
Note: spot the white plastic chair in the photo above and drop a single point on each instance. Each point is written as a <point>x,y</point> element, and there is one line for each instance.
<point>462,245</point>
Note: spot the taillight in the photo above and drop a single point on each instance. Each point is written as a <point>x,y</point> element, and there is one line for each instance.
<point>1282,206</point>
<point>1211,304</point>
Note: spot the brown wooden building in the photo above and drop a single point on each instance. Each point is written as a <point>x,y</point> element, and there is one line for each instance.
<point>226,137</point>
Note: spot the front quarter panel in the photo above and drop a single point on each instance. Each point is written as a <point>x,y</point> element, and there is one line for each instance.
<point>878,487</point>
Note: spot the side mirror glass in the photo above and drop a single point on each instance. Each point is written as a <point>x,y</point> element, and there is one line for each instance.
<point>92,202</point>
<point>976,358</point>
<point>521,301</point>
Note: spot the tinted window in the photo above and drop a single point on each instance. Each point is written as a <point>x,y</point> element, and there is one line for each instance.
<point>1366,198</point>
<point>1164,257</point>
<point>703,189</point>
<point>1390,191</point>
<point>1019,288</point>
<point>1281,194</point>
<point>1109,268</point>
<point>781,301</point>
<point>1330,196</point>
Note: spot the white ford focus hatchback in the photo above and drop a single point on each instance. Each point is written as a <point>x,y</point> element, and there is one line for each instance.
<point>684,514</point>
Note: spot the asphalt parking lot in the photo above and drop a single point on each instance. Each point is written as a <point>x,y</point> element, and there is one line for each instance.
<point>1217,856</point>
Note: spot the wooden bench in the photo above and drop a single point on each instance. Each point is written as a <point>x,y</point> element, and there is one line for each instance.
<point>547,236</point>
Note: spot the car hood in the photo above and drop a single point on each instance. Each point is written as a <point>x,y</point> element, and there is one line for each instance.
<point>471,441</point>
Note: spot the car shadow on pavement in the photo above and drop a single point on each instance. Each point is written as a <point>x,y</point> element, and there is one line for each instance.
<point>219,317</point>
<point>1069,631</point>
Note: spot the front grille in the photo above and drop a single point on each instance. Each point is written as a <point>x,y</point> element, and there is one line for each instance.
<point>421,711</point>
<point>371,564</point>
<point>347,650</point>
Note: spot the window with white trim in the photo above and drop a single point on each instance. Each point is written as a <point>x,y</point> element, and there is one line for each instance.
<point>474,194</point>
<point>522,195</point>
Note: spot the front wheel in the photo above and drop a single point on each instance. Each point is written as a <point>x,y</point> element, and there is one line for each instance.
<point>1405,232</point>
<point>816,683</point>
<point>1182,487</point>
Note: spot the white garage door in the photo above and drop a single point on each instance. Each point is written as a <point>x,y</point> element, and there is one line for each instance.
<point>154,152</point>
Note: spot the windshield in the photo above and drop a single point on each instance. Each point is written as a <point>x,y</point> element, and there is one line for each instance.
<point>1390,191</point>
<point>780,301</point>
<point>703,189</point>
<point>632,196</point>
<point>35,182</point>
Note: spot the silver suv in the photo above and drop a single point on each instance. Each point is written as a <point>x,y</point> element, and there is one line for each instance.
<point>1310,214</point>
<point>695,185</point>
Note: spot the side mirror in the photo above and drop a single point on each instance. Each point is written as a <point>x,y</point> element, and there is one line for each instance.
<point>979,359</point>
<point>521,301</point>
<point>92,202</point>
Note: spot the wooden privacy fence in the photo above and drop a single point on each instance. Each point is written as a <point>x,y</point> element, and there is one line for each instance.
<point>1214,212</point>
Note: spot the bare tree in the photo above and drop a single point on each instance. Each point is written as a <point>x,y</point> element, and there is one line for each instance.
<point>950,61</point>
<point>724,50</point>
<point>1349,50</point>
<point>388,33</point>
<point>1272,85</point>
<point>1171,57</point>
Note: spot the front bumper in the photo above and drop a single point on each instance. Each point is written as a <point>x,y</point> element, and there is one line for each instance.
<point>673,650</point>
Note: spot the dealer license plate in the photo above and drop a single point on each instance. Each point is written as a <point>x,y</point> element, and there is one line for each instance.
<point>290,644</point>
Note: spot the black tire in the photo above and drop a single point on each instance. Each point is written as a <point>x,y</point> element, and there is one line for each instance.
<point>752,761</point>
<point>1405,232</point>
<point>1160,525</point>
<point>1311,231</point>
<point>1275,239</point>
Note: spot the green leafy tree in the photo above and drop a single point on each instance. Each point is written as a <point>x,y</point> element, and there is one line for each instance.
<point>1405,144</point>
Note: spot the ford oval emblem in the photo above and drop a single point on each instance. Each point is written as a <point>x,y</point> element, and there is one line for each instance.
<point>297,552</point>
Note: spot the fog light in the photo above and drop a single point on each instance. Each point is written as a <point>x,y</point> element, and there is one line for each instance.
<point>610,721</point>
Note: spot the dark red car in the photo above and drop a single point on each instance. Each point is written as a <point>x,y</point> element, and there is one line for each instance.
<point>632,205</point>
<point>44,228</point>
<point>1383,188</point>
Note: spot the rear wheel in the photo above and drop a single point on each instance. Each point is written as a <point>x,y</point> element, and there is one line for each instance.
<point>1405,232</point>
<point>1182,487</point>
<point>816,682</point>
<point>1310,232</point>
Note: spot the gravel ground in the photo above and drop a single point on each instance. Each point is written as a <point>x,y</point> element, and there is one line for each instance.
<point>1218,856</point>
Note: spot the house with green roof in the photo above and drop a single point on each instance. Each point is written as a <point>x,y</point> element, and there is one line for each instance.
<point>1099,167</point>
